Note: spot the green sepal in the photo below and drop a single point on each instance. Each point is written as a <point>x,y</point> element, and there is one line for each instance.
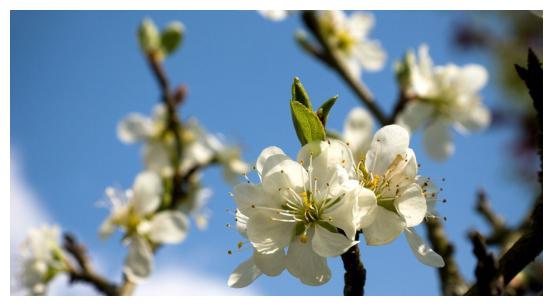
<point>331,228</point>
<point>325,108</point>
<point>300,94</point>
<point>308,126</point>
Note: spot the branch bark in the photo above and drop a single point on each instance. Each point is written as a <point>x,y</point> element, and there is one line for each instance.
<point>451,280</point>
<point>489,280</point>
<point>355,275</point>
<point>84,272</point>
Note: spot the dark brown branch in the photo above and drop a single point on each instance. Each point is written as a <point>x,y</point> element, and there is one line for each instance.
<point>451,280</point>
<point>530,244</point>
<point>500,232</point>
<point>84,272</point>
<point>355,276</point>
<point>335,62</point>
<point>488,279</point>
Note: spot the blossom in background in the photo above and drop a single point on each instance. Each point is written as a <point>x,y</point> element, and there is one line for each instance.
<point>194,202</point>
<point>204,147</point>
<point>300,206</point>
<point>389,179</point>
<point>42,258</point>
<point>275,15</point>
<point>199,147</point>
<point>349,36</point>
<point>441,96</point>
<point>137,213</point>
<point>357,133</point>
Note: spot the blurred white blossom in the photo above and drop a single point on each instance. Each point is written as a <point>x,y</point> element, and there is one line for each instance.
<point>136,213</point>
<point>349,36</point>
<point>275,15</point>
<point>42,258</point>
<point>199,147</point>
<point>358,132</point>
<point>298,205</point>
<point>441,96</point>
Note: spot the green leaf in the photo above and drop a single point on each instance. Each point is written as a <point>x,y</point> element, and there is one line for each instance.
<point>300,94</point>
<point>172,37</point>
<point>148,36</point>
<point>308,126</point>
<point>323,111</point>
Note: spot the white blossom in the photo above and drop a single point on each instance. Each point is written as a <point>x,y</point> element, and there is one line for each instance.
<point>391,185</point>
<point>42,258</point>
<point>348,35</point>
<point>441,96</point>
<point>136,213</point>
<point>299,206</point>
<point>275,15</point>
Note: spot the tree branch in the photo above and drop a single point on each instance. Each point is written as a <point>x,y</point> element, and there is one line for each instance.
<point>85,272</point>
<point>451,280</point>
<point>333,60</point>
<point>355,276</point>
<point>488,279</point>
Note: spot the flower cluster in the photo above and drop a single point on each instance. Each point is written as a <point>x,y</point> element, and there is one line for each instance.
<point>441,96</point>
<point>42,259</point>
<point>200,147</point>
<point>305,210</point>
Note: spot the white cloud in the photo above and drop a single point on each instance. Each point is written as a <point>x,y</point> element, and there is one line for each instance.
<point>173,279</point>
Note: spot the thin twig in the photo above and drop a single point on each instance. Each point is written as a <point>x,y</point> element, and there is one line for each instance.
<point>332,59</point>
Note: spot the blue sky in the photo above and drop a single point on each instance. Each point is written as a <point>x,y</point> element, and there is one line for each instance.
<point>74,75</point>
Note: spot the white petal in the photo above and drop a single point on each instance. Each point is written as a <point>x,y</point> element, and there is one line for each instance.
<point>270,264</point>
<point>411,205</point>
<point>168,227</point>
<point>247,195</point>
<point>415,115</point>
<point>268,235</point>
<point>423,253</point>
<point>244,274</point>
<point>328,244</point>
<point>360,24</point>
<point>134,127</point>
<point>370,55</point>
<point>472,78</point>
<point>274,15</point>
<point>156,158</point>
<point>265,154</point>
<point>139,261</point>
<point>475,118</point>
<point>387,144</point>
<point>358,131</point>
<point>353,66</point>
<point>430,191</point>
<point>303,263</point>
<point>385,227</point>
<point>365,211</point>
<point>286,174</point>
<point>437,140</point>
<point>242,223</point>
<point>147,191</point>
<point>343,213</point>
<point>323,157</point>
